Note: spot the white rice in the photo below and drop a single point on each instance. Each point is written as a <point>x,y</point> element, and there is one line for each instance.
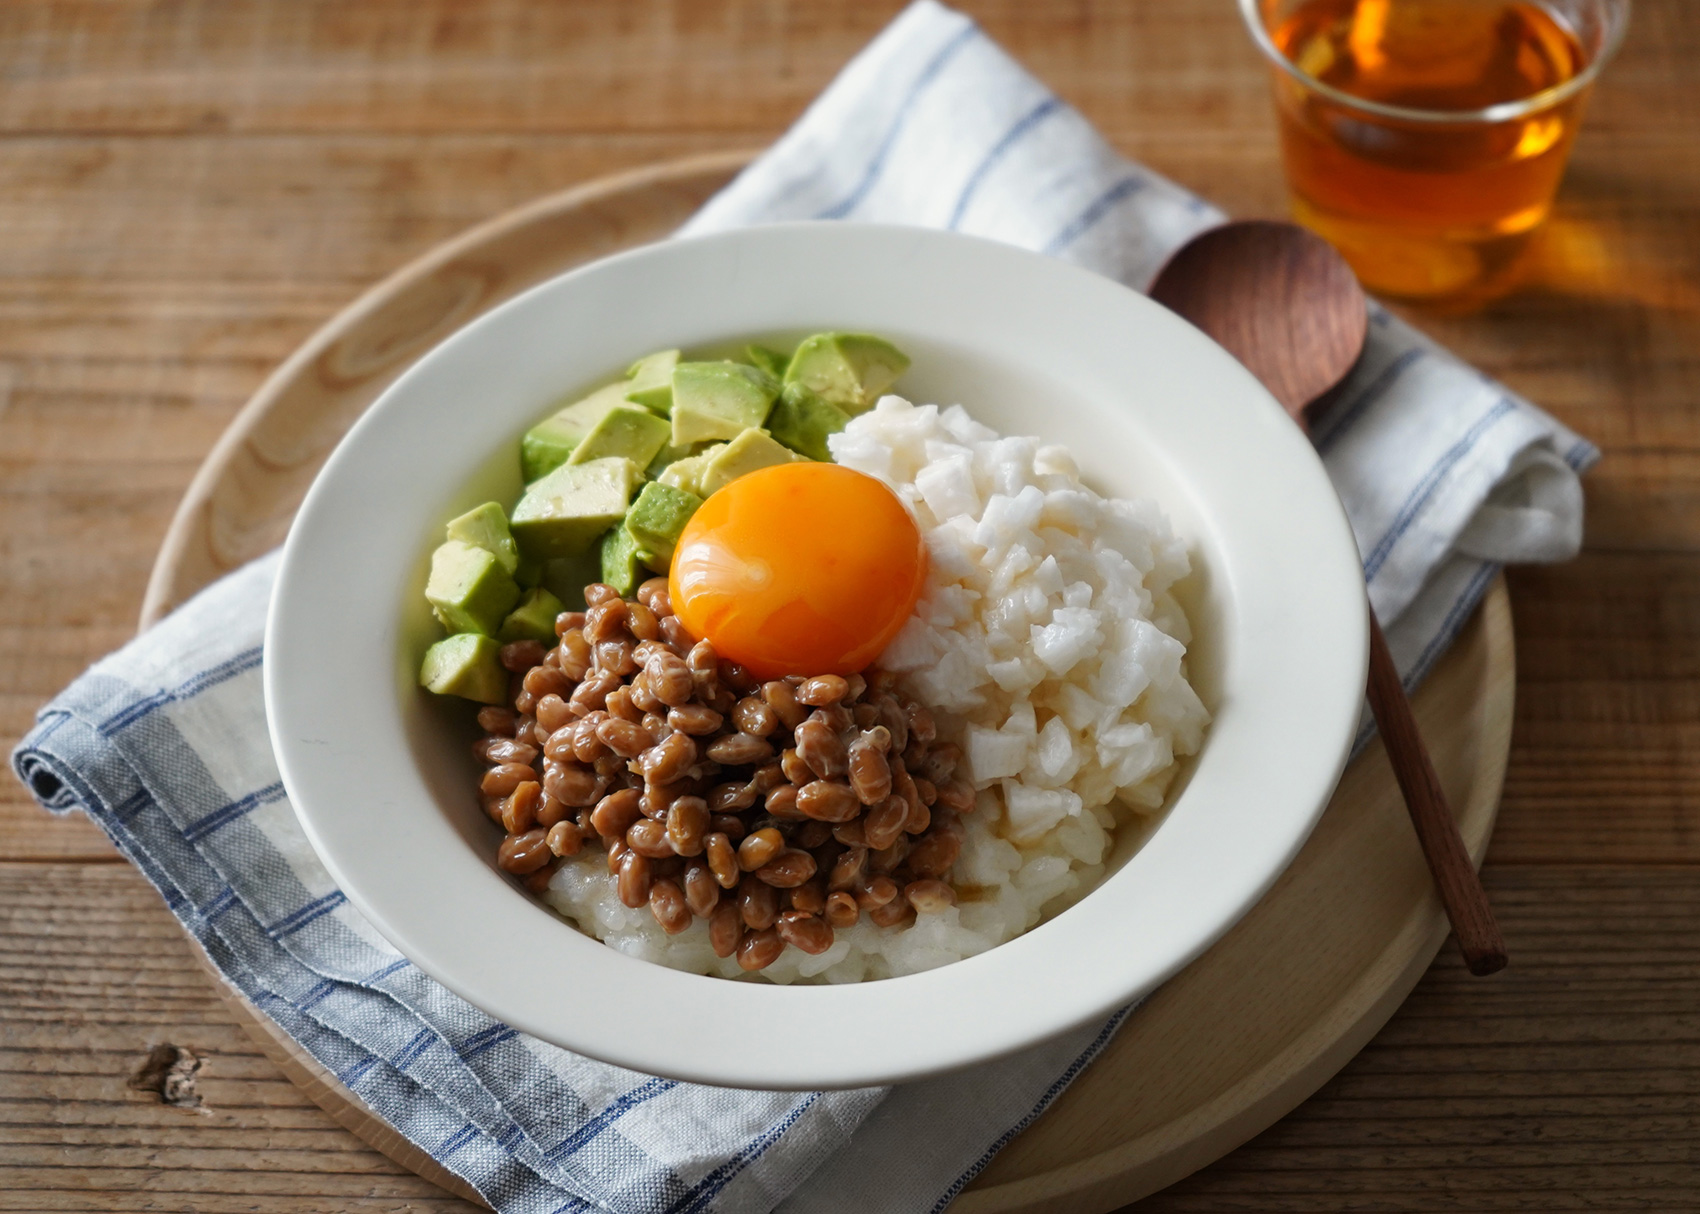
<point>1051,651</point>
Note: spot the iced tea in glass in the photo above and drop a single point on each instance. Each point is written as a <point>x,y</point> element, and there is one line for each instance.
<point>1425,138</point>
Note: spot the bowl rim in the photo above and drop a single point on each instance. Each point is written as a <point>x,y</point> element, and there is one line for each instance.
<point>1331,631</point>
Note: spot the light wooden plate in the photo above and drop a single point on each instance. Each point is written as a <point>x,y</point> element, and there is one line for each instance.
<point>1218,1054</point>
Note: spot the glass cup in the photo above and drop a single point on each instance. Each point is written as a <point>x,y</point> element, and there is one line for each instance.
<point>1425,139</point>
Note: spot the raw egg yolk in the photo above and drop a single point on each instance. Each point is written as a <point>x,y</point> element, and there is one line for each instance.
<point>801,568</point>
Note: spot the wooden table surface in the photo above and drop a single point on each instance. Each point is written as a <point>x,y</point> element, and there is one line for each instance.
<point>187,189</point>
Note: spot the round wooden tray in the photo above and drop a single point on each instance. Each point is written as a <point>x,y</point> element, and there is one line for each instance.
<point>1218,1054</point>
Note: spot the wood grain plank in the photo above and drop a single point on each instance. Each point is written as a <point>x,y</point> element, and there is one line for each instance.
<point>600,65</point>
<point>78,1015</point>
<point>1575,1074</point>
<point>253,66</point>
<point>1569,1081</point>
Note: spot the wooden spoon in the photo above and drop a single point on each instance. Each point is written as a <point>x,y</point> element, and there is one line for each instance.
<point>1284,303</point>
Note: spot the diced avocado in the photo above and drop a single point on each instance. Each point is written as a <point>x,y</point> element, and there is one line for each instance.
<point>852,370</point>
<point>533,619</point>
<point>487,528</point>
<point>664,459</point>
<point>627,431</point>
<point>656,519</point>
<point>548,444</point>
<point>565,577</point>
<point>719,400</point>
<point>469,589</point>
<point>687,473</point>
<point>529,573</point>
<point>752,449</point>
<point>567,510</point>
<point>651,382</point>
<point>622,561</point>
<point>803,421</point>
<point>465,665</point>
<point>771,361</point>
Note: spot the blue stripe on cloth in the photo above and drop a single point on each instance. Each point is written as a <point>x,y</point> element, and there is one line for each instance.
<point>1011,137</point>
<point>877,165</point>
<point>379,975</point>
<point>1425,488</point>
<point>1100,206</point>
<point>353,1074</point>
<point>301,918</point>
<point>484,1038</point>
<point>1376,389</point>
<point>484,1034</point>
<point>319,991</point>
<point>47,725</point>
<point>1082,1060</point>
<point>456,1141</point>
<point>132,805</point>
<point>1580,455</point>
<point>228,669</point>
<point>708,1188</point>
<point>1451,625</point>
<point>413,1049</point>
<point>229,813</point>
<point>615,1109</point>
<point>225,900</point>
<point>506,1034</point>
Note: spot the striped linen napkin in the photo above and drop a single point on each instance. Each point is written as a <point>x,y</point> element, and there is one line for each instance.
<point>164,743</point>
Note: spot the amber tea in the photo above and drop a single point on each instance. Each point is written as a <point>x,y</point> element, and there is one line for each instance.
<point>1426,138</point>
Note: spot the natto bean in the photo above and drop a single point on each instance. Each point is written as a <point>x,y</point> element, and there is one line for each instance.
<point>525,853</point>
<point>667,903</point>
<point>758,950</point>
<point>789,869</point>
<point>633,885</point>
<point>808,932</point>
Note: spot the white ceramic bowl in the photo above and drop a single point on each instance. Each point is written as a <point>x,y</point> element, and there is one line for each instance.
<point>383,780</point>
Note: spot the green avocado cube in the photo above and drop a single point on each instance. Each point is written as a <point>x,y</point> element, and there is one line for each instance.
<point>852,370</point>
<point>533,619</point>
<point>469,588</point>
<point>656,519</point>
<point>686,473</point>
<point>664,459</point>
<point>752,449</point>
<point>803,421</point>
<point>771,361</point>
<point>652,382</point>
<point>565,577</point>
<point>719,400</point>
<point>487,528</point>
<point>564,513</point>
<point>627,431</point>
<point>466,665</point>
<point>550,443</point>
<point>622,561</point>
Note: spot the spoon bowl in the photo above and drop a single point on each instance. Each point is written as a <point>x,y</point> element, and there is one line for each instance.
<point>1278,298</point>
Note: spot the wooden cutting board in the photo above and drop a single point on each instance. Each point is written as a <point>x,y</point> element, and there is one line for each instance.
<point>1222,1051</point>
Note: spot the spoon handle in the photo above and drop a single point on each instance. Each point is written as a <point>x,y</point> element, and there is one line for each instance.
<point>1455,877</point>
